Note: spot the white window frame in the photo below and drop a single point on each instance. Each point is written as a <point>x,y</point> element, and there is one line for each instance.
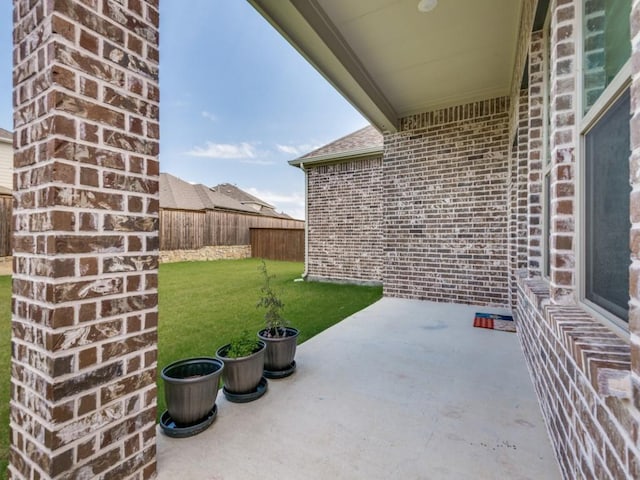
<point>585,122</point>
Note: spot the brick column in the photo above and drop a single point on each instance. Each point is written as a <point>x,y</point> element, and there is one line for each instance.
<point>536,152</point>
<point>634,281</point>
<point>521,181</point>
<point>519,154</point>
<point>563,139</point>
<point>86,242</point>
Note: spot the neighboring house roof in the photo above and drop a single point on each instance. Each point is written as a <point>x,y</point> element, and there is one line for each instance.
<point>365,142</point>
<point>249,201</point>
<point>6,136</point>
<point>177,194</point>
<point>213,199</point>
<point>239,195</point>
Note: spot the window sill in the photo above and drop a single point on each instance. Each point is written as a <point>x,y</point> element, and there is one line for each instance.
<point>600,354</point>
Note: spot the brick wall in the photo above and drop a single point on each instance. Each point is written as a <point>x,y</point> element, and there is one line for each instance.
<point>445,200</point>
<point>518,195</point>
<point>86,216</point>
<point>580,371</point>
<point>562,139</point>
<point>345,221</point>
<point>521,182</point>
<point>585,375</point>
<point>536,154</point>
<point>512,193</point>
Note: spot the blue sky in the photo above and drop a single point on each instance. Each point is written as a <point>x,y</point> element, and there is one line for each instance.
<point>237,101</point>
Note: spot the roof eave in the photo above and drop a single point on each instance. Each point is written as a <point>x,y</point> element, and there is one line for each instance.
<point>304,26</point>
<point>335,157</point>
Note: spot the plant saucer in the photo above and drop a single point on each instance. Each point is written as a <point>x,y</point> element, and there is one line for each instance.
<point>275,374</point>
<point>259,391</point>
<point>170,428</point>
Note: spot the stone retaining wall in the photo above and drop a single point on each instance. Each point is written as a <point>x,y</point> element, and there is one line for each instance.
<point>220,252</point>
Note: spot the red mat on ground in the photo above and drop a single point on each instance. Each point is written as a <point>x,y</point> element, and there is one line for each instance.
<point>493,321</point>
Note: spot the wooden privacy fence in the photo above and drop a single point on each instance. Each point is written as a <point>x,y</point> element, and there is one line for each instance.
<point>5,225</point>
<point>278,244</point>
<point>188,230</point>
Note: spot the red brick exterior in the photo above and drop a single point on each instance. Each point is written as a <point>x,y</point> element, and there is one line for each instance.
<point>586,376</point>
<point>344,221</point>
<point>536,153</point>
<point>446,205</point>
<point>85,261</point>
<point>517,189</point>
<point>565,27</point>
<point>580,371</point>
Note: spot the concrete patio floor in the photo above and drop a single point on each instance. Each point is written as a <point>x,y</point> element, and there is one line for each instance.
<point>401,390</point>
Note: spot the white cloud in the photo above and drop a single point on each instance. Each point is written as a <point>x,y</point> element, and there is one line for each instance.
<point>179,103</point>
<point>297,149</point>
<point>242,150</point>
<point>288,149</point>
<point>289,203</point>
<point>209,116</point>
<point>258,162</point>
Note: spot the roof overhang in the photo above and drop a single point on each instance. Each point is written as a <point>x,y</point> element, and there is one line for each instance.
<point>389,60</point>
<point>337,157</point>
<point>308,30</point>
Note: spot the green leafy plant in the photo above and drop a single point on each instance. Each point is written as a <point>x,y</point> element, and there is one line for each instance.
<point>242,345</point>
<point>274,323</point>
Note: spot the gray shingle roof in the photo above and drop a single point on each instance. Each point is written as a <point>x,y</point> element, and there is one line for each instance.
<point>213,199</point>
<point>239,195</point>
<point>364,141</point>
<point>177,194</point>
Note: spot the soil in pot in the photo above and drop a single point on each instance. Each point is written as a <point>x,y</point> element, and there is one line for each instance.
<point>191,389</point>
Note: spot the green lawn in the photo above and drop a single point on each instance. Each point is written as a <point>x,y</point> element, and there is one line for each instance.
<point>204,304</point>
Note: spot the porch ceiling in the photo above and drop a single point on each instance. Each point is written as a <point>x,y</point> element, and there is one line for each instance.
<point>389,60</point>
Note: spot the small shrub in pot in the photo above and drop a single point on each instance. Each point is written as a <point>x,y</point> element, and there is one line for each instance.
<point>243,359</point>
<point>280,338</point>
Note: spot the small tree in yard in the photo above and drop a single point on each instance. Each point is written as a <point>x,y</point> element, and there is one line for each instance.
<point>274,322</point>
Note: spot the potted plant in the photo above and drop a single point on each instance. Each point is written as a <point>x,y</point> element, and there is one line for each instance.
<point>243,360</point>
<point>280,338</point>
<point>190,391</point>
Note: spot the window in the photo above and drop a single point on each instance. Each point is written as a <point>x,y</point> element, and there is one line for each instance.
<point>606,195</point>
<point>605,189</point>
<point>607,45</point>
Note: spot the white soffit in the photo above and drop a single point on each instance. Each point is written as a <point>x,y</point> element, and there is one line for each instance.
<point>389,60</point>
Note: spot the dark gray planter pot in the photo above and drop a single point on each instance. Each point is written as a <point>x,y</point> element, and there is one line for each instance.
<point>191,388</point>
<point>280,350</point>
<point>242,375</point>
